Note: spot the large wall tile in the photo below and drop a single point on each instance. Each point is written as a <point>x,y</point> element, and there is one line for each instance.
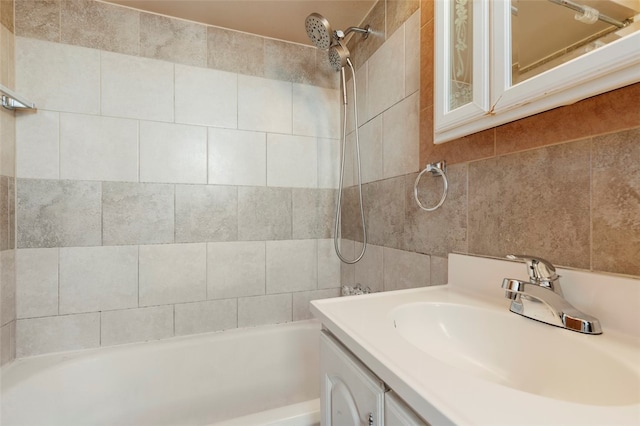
<point>235,269</point>
<point>535,202</point>
<point>7,343</point>
<point>58,213</point>
<point>7,57</point>
<point>405,269</point>
<point>55,334</point>
<point>206,213</point>
<point>369,270</point>
<point>235,51</point>
<point>38,145</point>
<point>315,111</point>
<point>328,163</point>
<point>58,77</point>
<point>292,266</point>
<point>386,83</point>
<point>7,142</point>
<point>264,213</point>
<point>38,19</point>
<point>206,97</point>
<point>444,230</point>
<point>100,25</point>
<point>136,325</point>
<point>328,265</point>
<point>292,161</point>
<point>173,40</point>
<point>137,213</point>
<point>357,104</point>
<point>237,157</point>
<point>615,205</point>
<point>399,11</point>
<point>401,137</point>
<point>412,54</point>
<point>439,270</point>
<point>11,190</point>
<point>172,153</point>
<point>135,87</point>
<point>36,282</point>
<point>371,151</point>
<point>385,212</point>
<point>205,317</point>
<point>350,213</point>
<point>313,213</point>
<point>4,213</point>
<point>98,148</point>
<point>347,271</point>
<point>301,310</point>
<point>289,61</point>
<point>261,310</point>
<point>7,286</point>
<point>98,278</point>
<point>350,177</point>
<point>173,273</point>
<point>264,105</point>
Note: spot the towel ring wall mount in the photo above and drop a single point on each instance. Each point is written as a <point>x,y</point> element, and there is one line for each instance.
<point>436,169</point>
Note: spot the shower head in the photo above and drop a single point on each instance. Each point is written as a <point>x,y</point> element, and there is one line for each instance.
<point>338,55</point>
<point>319,30</point>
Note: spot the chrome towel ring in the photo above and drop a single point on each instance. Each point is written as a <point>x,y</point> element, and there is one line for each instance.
<point>436,169</point>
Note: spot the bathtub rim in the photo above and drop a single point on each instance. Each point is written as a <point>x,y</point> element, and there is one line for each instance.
<point>36,364</point>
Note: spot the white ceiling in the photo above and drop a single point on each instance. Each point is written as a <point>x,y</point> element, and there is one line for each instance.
<point>280,19</point>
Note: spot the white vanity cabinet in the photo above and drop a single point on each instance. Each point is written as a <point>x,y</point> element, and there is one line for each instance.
<point>398,413</point>
<point>351,395</point>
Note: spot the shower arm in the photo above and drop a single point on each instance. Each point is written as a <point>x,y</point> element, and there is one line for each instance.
<point>339,34</point>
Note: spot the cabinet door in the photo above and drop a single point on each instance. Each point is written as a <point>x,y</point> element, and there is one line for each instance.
<point>461,62</point>
<point>398,413</point>
<point>350,394</point>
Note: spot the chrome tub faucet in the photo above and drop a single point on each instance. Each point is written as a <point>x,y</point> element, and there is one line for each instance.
<point>541,298</point>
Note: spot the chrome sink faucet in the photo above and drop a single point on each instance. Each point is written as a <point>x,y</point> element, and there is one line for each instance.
<point>541,298</point>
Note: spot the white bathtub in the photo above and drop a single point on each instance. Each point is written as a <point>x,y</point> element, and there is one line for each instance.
<point>257,376</point>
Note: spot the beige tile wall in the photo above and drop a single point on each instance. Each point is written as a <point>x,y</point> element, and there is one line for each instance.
<point>7,190</point>
<point>541,185</point>
<point>160,192</point>
<point>112,28</point>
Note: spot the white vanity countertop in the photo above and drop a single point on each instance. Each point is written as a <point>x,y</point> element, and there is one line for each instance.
<point>443,394</point>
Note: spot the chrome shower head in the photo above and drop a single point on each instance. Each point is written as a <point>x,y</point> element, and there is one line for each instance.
<point>319,30</point>
<point>338,55</point>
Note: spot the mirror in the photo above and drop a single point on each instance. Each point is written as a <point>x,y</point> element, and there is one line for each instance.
<point>546,34</point>
<point>497,61</point>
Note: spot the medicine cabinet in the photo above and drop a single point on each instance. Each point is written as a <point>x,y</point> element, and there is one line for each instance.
<point>497,61</point>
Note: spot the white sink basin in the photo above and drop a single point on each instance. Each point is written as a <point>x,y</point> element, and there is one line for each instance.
<point>518,352</point>
<point>457,355</point>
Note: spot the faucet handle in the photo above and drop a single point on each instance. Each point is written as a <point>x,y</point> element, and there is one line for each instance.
<point>540,270</point>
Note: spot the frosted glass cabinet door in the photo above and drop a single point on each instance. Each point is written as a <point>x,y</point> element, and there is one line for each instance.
<point>462,62</point>
<point>350,394</point>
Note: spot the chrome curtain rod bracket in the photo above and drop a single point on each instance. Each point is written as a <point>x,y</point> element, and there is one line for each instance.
<point>12,101</point>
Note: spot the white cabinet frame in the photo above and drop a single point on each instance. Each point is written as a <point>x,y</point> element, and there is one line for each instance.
<point>446,119</point>
<point>612,66</point>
